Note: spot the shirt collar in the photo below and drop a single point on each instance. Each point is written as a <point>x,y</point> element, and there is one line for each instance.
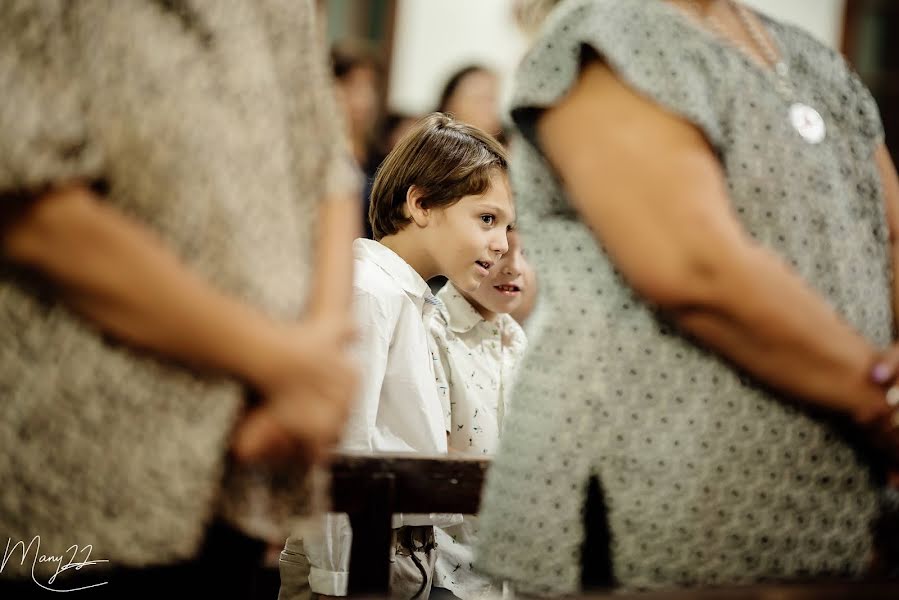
<point>514,335</point>
<point>398,269</point>
<point>461,315</point>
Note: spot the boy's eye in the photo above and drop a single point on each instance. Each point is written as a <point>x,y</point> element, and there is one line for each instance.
<point>488,219</point>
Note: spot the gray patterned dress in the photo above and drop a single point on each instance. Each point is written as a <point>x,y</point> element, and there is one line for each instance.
<point>213,125</point>
<point>708,477</point>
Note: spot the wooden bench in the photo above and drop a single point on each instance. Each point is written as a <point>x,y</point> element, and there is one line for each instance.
<point>372,488</point>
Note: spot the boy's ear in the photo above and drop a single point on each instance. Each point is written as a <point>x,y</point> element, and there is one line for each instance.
<point>419,214</point>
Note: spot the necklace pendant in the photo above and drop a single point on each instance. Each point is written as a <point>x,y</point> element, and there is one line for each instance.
<point>808,123</point>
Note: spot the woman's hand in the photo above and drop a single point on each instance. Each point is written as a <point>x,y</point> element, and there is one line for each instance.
<point>306,396</point>
<point>883,422</point>
<point>887,526</point>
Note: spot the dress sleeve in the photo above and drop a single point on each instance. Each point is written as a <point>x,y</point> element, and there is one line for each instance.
<point>44,134</point>
<point>647,44</point>
<point>867,114</point>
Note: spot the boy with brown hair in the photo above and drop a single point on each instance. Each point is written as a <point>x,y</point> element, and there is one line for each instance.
<point>440,205</point>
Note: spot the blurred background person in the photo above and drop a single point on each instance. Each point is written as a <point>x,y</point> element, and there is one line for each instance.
<point>472,96</point>
<point>357,77</point>
<point>394,126</point>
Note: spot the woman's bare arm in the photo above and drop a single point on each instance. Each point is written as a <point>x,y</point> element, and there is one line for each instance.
<point>122,278</point>
<point>651,188</point>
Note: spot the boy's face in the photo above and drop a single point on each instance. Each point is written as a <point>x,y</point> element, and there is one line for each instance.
<point>507,284</point>
<point>469,237</point>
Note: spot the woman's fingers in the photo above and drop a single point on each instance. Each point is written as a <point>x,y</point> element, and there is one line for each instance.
<point>260,438</point>
<point>887,367</point>
<point>886,373</point>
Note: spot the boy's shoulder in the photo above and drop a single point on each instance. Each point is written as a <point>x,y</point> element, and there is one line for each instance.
<point>370,280</point>
<point>384,282</point>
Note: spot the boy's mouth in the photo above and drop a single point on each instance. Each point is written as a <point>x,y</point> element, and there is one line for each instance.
<point>507,289</point>
<point>484,264</point>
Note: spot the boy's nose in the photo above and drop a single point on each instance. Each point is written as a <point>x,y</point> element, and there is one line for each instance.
<point>500,244</point>
<point>512,265</point>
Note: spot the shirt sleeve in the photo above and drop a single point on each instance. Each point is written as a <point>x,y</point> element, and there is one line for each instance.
<point>44,130</point>
<point>328,549</point>
<point>375,332</point>
<point>328,552</point>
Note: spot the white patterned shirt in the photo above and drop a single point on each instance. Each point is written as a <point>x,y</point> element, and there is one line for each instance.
<point>398,409</point>
<point>477,364</point>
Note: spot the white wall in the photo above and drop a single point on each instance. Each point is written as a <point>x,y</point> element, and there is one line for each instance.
<point>436,37</point>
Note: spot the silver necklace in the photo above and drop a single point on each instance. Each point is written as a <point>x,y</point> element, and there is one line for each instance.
<point>807,121</point>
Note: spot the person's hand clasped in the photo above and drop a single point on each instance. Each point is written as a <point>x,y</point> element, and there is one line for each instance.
<point>306,396</point>
<point>885,426</point>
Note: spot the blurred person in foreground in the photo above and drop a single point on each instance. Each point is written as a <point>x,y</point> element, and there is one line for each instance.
<point>177,216</point>
<point>714,219</point>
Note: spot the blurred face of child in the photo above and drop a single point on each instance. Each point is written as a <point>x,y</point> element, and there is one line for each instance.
<point>507,285</point>
<point>469,238</point>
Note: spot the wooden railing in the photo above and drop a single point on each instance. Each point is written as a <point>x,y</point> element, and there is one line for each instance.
<point>372,488</point>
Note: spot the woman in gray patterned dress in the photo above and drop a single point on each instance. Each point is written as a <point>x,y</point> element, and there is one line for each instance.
<point>709,203</point>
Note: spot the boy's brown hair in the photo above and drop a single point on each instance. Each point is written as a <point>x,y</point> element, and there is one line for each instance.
<point>444,158</point>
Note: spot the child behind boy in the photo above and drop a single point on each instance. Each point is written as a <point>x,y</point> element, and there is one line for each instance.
<point>440,205</point>
<point>479,347</point>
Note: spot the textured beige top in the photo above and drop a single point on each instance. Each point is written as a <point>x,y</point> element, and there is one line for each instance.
<point>213,125</point>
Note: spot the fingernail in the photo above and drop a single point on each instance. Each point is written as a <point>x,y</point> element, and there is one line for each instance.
<point>880,373</point>
<point>893,397</point>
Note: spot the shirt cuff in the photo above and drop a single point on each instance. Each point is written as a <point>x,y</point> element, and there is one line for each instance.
<point>330,583</point>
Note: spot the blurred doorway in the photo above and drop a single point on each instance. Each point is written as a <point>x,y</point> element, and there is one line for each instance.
<point>871,43</point>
